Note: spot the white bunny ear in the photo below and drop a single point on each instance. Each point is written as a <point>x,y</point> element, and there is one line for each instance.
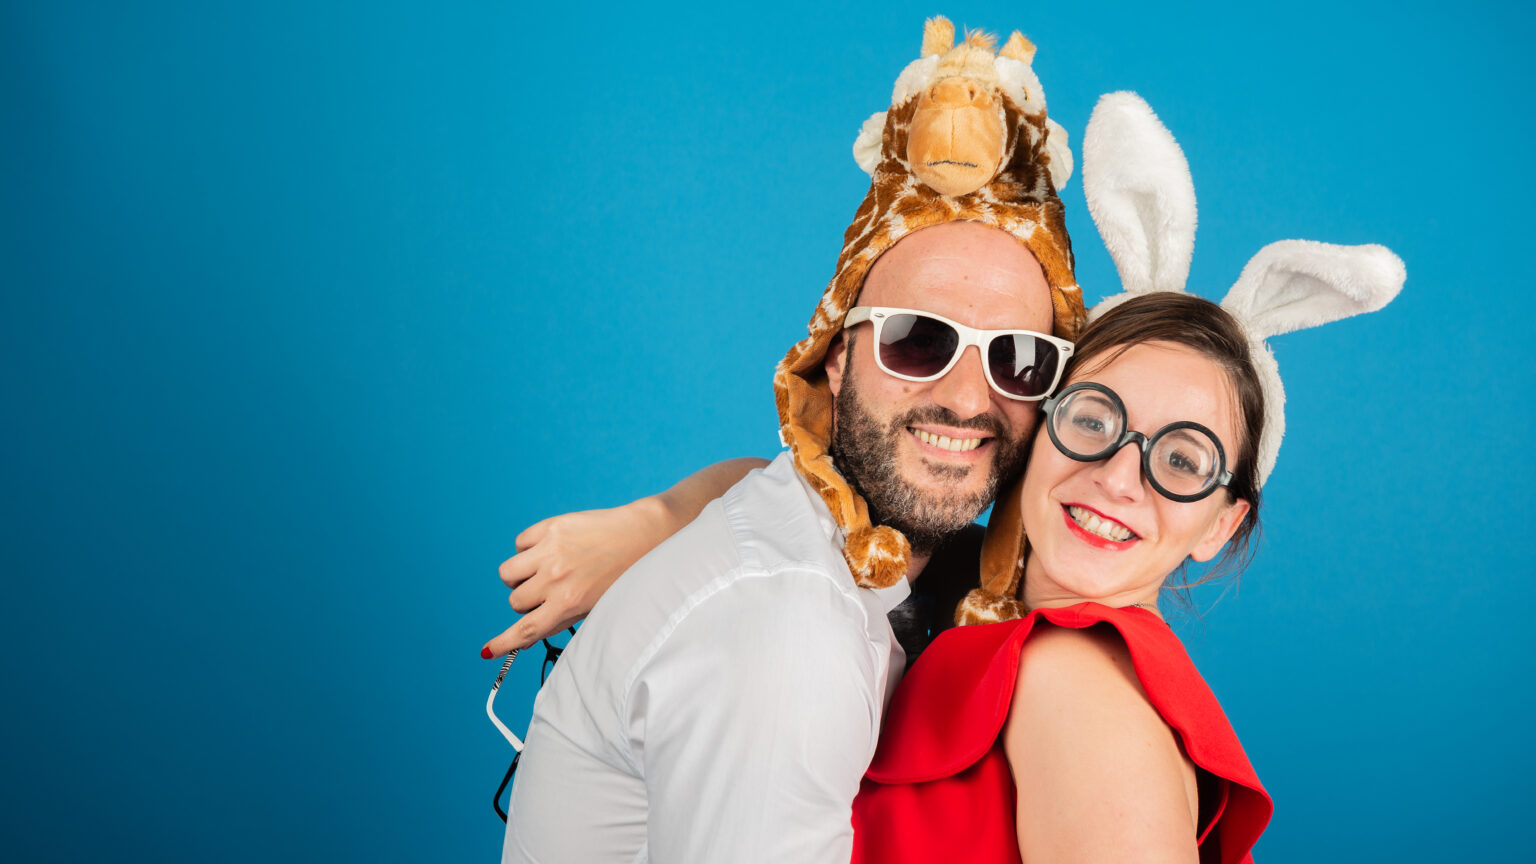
<point>866,147</point>
<point>1139,193</point>
<point>1059,149</point>
<point>1295,284</point>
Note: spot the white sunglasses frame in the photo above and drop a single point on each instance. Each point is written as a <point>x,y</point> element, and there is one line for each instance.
<point>969,336</point>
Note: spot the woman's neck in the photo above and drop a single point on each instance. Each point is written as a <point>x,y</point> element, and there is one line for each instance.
<point>1039,591</point>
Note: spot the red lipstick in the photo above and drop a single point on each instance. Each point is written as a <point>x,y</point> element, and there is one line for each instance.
<point>1092,539</point>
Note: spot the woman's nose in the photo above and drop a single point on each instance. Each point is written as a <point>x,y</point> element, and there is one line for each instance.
<point>1120,474</point>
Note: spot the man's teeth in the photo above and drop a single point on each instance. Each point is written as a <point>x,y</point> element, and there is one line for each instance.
<point>1100,527</point>
<point>943,442</point>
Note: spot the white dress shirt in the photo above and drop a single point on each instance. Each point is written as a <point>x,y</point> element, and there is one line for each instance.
<point>721,702</point>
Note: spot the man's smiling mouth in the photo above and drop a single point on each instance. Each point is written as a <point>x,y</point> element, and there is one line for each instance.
<point>943,442</point>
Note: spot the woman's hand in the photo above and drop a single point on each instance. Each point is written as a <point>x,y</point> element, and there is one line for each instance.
<point>565,563</point>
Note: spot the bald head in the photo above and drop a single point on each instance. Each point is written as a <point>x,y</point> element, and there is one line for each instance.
<point>965,271</point>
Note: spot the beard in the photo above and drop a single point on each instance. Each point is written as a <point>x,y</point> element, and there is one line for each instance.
<point>865,452</point>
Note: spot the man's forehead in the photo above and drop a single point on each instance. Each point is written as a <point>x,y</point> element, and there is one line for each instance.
<point>976,274</point>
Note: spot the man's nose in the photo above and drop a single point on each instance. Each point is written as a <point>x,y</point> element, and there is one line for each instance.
<point>964,390</point>
<point>1120,474</point>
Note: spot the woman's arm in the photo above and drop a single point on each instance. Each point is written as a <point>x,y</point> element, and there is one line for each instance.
<point>565,563</point>
<point>1100,776</point>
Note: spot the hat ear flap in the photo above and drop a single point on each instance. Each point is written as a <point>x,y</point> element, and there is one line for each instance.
<point>1295,284</point>
<point>1140,194</point>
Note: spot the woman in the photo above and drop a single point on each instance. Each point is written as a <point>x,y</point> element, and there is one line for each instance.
<point>1087,705</point>
<point>1081,731</point>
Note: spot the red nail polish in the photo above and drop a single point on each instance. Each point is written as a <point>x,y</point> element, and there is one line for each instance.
<point>485,653</point>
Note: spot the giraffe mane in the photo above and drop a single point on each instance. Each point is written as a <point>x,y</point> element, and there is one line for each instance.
<point>980,39</point>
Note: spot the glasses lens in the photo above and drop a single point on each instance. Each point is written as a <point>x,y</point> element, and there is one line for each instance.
<point>1087,423</point>
<point>1023,365</point>
<point>1185,461</point>
<point>917,346</point>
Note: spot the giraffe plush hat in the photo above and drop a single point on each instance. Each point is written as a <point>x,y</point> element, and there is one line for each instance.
<point>1142,200</point>
<point>966,138</point>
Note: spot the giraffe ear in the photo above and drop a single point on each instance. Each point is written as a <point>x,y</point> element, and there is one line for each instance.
<point>866,147</point>
<point>1059,150</point>
<point>1018,48</point>
<point>938,36</point>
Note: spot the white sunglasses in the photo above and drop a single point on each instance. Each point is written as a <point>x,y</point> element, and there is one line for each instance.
<point>920,346</point>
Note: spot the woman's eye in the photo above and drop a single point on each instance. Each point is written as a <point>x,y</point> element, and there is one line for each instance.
<point>1089,423</point>
<point>1185,463</point>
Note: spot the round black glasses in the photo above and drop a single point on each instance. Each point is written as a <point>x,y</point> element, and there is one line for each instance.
<point>1182,461</point>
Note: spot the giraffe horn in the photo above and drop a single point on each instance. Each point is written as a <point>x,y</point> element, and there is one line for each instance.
<point>1018,48</point>
<point>938,36</point>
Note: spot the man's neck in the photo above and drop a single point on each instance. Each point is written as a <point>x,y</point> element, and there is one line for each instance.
<point>915,564</point>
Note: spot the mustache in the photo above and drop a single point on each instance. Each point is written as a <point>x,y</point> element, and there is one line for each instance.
<point>937,414</point>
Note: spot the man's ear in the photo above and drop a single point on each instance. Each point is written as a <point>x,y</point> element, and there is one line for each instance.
<point>1221,530</point>
<point>836,361</point>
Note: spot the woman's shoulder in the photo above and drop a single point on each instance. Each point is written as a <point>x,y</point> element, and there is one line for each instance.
<point>952,704</point>
<point>1077,688</point>
<point>1076,665</point>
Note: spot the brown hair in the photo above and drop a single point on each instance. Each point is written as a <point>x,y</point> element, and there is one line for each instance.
<point>1203,326</point>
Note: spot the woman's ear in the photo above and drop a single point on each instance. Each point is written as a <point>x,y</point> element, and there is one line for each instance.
<point>1221,530</point>
<point>836,359</point>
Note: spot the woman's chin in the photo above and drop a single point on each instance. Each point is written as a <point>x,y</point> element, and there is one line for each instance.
<point>1088,575</point>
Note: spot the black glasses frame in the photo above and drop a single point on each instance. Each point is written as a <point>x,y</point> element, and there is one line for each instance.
<point>1144,442</point>
<point>552,653</point>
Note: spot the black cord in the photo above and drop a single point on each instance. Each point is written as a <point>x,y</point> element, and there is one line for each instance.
<point>496,799</point>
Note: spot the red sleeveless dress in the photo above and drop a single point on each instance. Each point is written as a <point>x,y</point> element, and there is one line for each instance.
<point>939,788</point>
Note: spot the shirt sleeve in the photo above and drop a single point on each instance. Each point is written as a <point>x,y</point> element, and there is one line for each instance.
<point>755,719</point>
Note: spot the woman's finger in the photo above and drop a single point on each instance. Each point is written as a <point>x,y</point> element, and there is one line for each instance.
<point>507,640</point>
<point>520,567</point>
<point>533,534</point>
<point>530,594</point>
<point>537,624</point>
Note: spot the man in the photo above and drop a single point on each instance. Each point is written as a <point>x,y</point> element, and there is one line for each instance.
<point>723,700</point>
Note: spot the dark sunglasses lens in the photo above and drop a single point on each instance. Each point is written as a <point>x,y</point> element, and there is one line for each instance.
<point>1087,424</point>
<point>1023,365</point>
<point>916,345</point>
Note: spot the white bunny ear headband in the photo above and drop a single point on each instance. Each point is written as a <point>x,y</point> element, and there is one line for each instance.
<point>1142,199</point>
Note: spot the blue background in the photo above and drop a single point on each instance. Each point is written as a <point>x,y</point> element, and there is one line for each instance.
<point>308,309</point>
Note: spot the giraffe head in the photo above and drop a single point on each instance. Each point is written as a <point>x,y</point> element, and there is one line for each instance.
<point>955,107</point>
<point>965,138</point>
<point>955,142</point>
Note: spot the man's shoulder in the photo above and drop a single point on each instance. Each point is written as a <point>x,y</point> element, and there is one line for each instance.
<point>767,524</point>
<point>775,519</point>
<point>763,554</point>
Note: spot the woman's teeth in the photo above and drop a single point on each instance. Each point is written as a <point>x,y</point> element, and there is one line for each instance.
<point>1100,527</point>
<point>958,445</point>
